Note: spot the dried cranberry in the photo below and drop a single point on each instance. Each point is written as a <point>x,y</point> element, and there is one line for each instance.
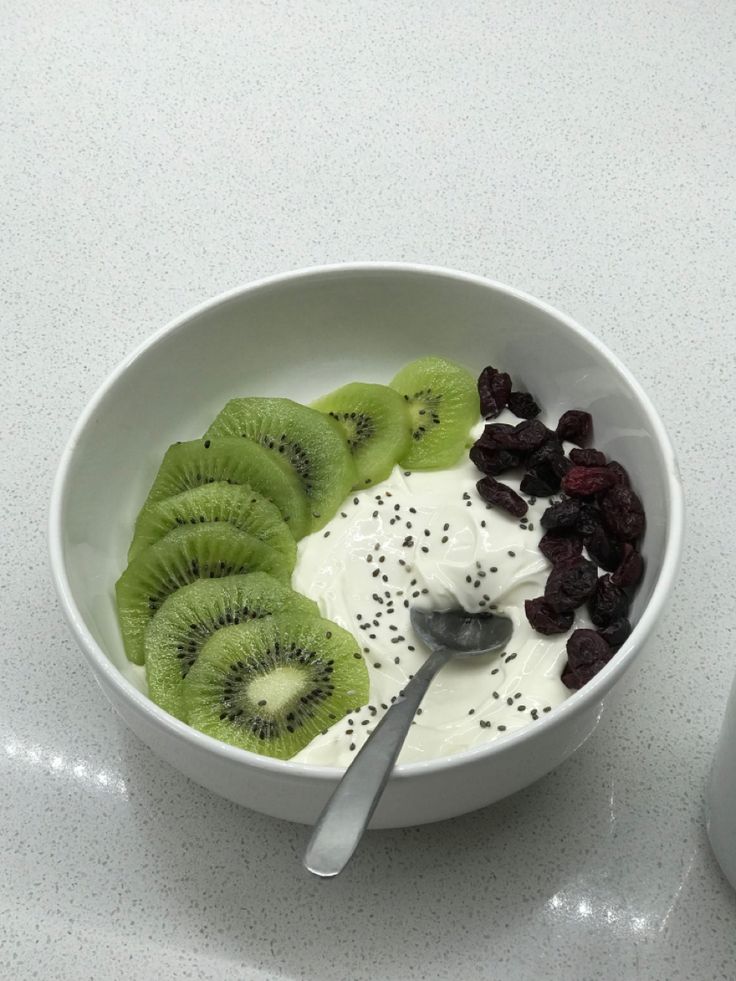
<point>603,550</point>
<point>630,568</point>
<point>540,481</point>
<point>622,476</point>
<point>523,405</point>
<point>623,513</point>
<point>608,603</point>
<point>575,426</point>
<point>496,493</point>
<point>494,388</point>
<point>544,619</point>
<point>587,654</point>
<point>586,481</point>
<point>492,460</point>
<point>587,458</point>
<point>616,633</point>
<point>589,518</point>
<point>563,514</point>
<point>558,546</point>
<point>570,584</point>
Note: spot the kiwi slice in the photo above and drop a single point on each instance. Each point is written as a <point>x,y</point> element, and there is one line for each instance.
<point>308,441</point>
<point>443,403</point>
<point>272,685</point>
<point>235,504</point>
<point>235,461</point>
<point>193,613</point>
<point>377,427</point>
<point>209,551</point>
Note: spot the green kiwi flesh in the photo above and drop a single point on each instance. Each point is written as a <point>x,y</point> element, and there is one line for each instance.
<point>377,425</point>
<point>443,402</point>
<point>235,504</point>
<point>308,441</point>
<point>272,685</point>
<point>233,461</point>
<point>209,551</point>
<point>193,613</point>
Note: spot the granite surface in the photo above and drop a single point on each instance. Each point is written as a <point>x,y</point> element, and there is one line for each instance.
<point>155,154</point>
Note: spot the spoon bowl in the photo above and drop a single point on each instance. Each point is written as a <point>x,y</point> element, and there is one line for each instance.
<point>465,634</point>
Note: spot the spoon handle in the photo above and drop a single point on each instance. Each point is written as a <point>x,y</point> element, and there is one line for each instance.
<point>347,813</point>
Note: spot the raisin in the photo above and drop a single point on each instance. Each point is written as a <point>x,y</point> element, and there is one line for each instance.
<point>587,654</point>
<point>558,547</point>
<point>492,460</point>
<point>622,476</point>
<point>524,438</point>
<point>623,513</point>
<point>561,465</point>
<point>608,603</point>
<point>530,435</point>
<point>603,550</point>
<point>549,474</point>
<point>570,584</point>
<point>587,481</point>
<point>541,481</point>
<point>630,568</point>
<point>575,426</point>
<point>496,493</point>
<point>587,458</point>
<point>589,518</point>
<point>523,405</point>
<point>550,448</point>
<point>563,514</point>
<point>495,435</point>
<point>616,633</point>
<point>552,455</point>
<point>544,619</point>
<point>494,388</point>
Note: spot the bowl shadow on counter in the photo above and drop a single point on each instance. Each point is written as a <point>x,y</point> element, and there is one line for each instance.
<point>236,876</point>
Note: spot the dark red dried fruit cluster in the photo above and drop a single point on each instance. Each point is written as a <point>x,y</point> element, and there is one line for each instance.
<point>598,511</point>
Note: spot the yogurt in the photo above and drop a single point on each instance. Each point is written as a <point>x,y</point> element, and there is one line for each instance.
<point>428,539</point>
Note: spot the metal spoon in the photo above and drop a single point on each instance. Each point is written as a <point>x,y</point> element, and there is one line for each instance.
<point>448,634</point>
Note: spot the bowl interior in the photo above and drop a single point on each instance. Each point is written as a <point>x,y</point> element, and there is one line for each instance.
<point>300,336</point>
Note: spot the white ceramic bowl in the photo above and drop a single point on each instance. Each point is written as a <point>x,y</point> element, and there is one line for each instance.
<point>299,335</point>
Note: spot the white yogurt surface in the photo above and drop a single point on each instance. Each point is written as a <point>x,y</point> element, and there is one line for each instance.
<point>429,539</point>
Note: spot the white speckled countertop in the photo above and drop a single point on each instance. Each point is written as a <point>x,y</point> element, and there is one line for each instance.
<point>154,154</point>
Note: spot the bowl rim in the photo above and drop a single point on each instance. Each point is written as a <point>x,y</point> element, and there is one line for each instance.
<point>577,703</point>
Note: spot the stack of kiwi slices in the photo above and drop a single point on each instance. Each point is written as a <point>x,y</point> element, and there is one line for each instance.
<point>205,602</point>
